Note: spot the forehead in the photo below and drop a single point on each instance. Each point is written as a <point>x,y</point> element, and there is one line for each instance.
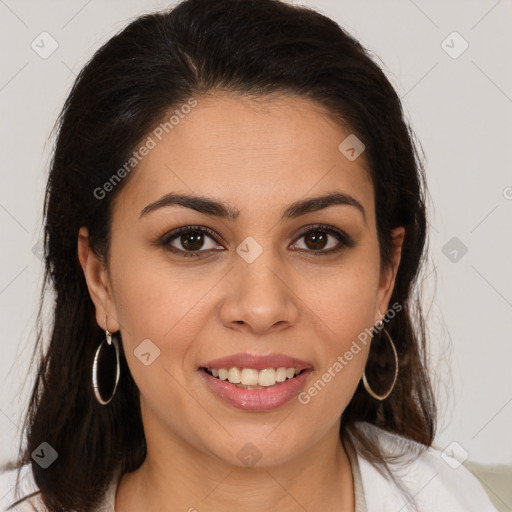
<point>248,151</point>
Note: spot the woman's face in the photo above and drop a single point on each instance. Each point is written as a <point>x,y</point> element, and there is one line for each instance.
<point>253,287</point>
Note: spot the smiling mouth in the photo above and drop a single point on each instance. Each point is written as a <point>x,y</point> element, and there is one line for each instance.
<point>250,378</point>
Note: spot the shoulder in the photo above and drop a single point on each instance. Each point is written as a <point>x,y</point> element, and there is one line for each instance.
<point>432,480</point>
<point>19,494</point>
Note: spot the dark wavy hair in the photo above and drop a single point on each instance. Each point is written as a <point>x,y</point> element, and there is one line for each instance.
<point>159,61</point>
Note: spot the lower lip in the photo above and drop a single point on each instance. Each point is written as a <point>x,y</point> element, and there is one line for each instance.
<point>264,399</point>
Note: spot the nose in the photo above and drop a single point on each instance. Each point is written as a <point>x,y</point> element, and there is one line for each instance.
<point>261,297</point>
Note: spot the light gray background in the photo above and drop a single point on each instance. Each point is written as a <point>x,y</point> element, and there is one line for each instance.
<point>460,110</point>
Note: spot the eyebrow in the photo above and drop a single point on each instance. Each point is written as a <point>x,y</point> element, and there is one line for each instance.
<point>223,210</point>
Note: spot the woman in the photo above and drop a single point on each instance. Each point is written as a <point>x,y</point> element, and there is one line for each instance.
<point>235,223</point>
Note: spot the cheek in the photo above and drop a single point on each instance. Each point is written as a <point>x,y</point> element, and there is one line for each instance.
<point>344,297</point>
<point>345,334</point>
<point>162,316</point>
<point>154,300</point>
<point>161,313</point>
<point>343,303</point>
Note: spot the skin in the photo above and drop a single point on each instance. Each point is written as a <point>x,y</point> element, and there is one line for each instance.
<point>259,156</point>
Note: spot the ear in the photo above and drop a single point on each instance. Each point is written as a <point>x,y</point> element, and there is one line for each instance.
<point>388,275</point>
<point>96,276</point>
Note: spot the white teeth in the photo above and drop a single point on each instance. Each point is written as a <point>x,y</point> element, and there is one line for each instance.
<point>267,377</point>
<point>234,376</point>
<point>249,377</point>
<point>281,374</point>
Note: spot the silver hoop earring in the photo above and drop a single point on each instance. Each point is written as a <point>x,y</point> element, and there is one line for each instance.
<point>365,381</point>
<point>105,365</point>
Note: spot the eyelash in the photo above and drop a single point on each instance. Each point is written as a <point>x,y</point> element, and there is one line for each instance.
<point>345,240</point>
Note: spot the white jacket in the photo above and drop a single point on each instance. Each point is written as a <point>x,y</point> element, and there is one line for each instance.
<point>436,483</point>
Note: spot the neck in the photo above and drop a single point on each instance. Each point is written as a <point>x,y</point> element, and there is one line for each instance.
<point>177,476</point>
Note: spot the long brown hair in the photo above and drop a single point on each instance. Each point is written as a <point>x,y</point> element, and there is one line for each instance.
<point>152,66</point>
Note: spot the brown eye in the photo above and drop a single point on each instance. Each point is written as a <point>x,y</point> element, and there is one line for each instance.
<point>323,240</point>
<point>191,239</point>
<point>316,240</point>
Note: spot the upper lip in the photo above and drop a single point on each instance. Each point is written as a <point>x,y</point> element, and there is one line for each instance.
<point>257,362</point>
